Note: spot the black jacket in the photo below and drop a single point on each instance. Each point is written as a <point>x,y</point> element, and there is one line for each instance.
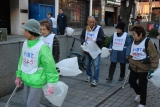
<point>62,21</point>
<point>100,37</point>
<point>56,49</point>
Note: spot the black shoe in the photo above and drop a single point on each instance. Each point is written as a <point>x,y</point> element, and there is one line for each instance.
<point>120,79</point>
<point>109,79</point>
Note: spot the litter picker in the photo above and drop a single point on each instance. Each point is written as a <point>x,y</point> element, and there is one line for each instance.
<point>126,79</point>
<point>7,105</point>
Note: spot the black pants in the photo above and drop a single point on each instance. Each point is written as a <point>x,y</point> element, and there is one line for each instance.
<point>141,87</point>
<point>113,67</point>
<point>61,30</point>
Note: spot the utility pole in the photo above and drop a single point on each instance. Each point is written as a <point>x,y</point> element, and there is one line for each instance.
<point>150,9</point>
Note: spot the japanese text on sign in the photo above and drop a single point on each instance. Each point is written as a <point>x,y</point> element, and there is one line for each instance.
<point>90,36</point>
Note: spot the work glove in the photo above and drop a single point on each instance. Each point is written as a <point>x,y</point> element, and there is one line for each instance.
<point>150,74</point>
<point>18,82</point>
<point>58,70</point>
<point>50,90</point>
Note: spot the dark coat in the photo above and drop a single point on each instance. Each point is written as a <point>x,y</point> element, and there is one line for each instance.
<point>62,21</point>
<point>120,56</point>
<point>100,37</point>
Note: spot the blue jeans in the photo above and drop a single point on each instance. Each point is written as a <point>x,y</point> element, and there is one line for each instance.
<point>96,63</point>
<point>54,30</point>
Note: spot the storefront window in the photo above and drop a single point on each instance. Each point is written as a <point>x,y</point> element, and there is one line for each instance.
<point>76,12</point>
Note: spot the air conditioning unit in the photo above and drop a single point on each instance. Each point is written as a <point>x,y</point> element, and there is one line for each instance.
<point>3,34</point>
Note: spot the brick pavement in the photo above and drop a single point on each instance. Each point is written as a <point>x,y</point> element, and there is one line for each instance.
<point>124,97</point>
<point>81,94</point>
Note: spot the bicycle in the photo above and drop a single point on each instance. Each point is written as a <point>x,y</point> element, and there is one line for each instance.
<point>72,53</point>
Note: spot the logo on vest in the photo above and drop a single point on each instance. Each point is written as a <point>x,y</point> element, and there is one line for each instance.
<point>118,42</point>
<point>137,51</point>
<point>90,36</point>
<point>28,58</point>
<point>47,43</point>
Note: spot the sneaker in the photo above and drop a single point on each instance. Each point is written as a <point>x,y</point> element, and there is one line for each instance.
<point>94,83</point>
<point>120,79</point>
<point>137,98</point>
<point>88,79</point>
<point>140,105</point>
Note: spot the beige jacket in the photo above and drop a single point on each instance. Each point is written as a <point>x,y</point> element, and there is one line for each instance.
<point>138,66</point>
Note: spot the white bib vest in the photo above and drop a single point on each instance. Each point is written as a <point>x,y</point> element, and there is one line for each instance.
<point>90,36</point>
<point>137,51</point>
<point>48,40</point>
<point>30,57</point>
<point>119,42</point>
<point>54,22</point>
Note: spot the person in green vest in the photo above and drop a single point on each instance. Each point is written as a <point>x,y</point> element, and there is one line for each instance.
<point>36,66</point>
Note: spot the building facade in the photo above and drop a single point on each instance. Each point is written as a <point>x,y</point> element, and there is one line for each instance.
<point>143,10</point>
<point>15,13</point>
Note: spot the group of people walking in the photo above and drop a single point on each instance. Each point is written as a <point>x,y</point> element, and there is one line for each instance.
<point>37,61</point>
<point>139,52</point>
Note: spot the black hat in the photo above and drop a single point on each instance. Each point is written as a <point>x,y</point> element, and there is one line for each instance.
<point>120,25</point>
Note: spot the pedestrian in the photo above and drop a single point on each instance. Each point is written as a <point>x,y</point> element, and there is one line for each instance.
<point>54,22</point>
<point>143,61</point>
<point>120,50</point>
<point>50,39</point>
<point>139,18</point>
<point>119,18</point>
<point>49,20</point>
<point>92,32</point>
<point>61,21</point>
<point>36,66</point>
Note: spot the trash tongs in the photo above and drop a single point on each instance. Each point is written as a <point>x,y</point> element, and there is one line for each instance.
<point>13,93</point>
<point>7,104</point>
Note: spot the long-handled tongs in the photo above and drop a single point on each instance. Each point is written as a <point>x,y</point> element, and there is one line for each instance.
<point>7,104</point>
<point>126,79</point>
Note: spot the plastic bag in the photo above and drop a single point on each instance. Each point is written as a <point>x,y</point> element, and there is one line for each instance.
<point>59,94</point>
<point>105,52</point>
<point>159,64</point>
<point>69,67</point>
<point>92,48</point>
<point>156,78</point>
<point>69,30</point>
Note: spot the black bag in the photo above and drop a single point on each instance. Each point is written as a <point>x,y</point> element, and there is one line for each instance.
<point>147,59</point>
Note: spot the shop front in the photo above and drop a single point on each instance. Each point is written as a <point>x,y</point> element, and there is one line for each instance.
<point>111,12</point>
<point>76,11</point>
<point>5,14</point>
<point>143,10</point>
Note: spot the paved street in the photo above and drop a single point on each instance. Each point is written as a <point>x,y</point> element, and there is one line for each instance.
<point>81,94</point>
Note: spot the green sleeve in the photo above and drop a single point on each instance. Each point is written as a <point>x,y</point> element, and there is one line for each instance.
<point>18,72</point>
<point>48,64</point>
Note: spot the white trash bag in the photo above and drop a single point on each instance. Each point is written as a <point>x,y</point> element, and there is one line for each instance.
<point>156,78</point>
<point>159,64</point>
<point>69,30</point>
<point>59,94</point>
<point>105,52</point>
<point>69,67</point>
<point>92,48</point>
